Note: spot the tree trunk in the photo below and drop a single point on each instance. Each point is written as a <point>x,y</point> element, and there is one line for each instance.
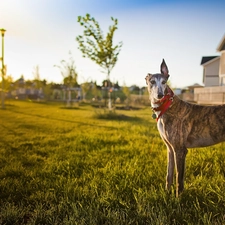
<point>109,93</point>
<point>69,98</point>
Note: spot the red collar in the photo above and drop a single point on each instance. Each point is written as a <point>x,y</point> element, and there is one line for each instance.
<point>164,103</point>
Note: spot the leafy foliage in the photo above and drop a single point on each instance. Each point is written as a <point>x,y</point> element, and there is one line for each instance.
<point>68,71</point>
<point>8,80</point>
<point>95,46</point>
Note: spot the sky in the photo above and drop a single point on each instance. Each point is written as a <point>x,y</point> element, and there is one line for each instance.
<point>43,32</point>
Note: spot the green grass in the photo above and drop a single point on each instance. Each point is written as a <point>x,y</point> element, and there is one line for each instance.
<point>76,166</point>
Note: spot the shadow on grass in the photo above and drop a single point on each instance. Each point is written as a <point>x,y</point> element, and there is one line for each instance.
<point>70,108</point>
<point>9,106</point>
<point>112,115</point>
<point>128,108</point>
<point>58,119</point>
<point>119,107</point>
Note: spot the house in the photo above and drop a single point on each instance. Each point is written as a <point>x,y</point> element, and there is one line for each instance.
<point>187,94</point>
<point>221,49</point>
<point>213,78</point>
<point>22,89</point>
<point>210,70</point>
<point>214,67</point>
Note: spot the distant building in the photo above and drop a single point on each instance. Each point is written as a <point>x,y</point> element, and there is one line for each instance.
<point>221,49</point>
<point>213,78</point>
<point>210,70</point>
<point>214,67</point>
<point>177,91</point>
<point>187,94</point>
<point>21,89</point>
<point>191,88</point>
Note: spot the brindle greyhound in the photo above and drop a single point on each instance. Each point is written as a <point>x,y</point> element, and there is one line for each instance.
<point>182,125</point>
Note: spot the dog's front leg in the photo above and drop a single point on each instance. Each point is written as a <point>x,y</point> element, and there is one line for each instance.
<point>170,167</point>
<point>180,156</point>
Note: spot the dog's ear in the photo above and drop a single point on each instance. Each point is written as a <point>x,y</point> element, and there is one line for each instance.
<point>164,69</point>
<point>147,78</point>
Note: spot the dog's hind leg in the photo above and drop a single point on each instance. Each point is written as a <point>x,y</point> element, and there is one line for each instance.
<point>180,156</point>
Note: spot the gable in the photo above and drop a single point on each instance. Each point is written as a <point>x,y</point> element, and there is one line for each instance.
<point>221,45</point>
<point>207,59</point>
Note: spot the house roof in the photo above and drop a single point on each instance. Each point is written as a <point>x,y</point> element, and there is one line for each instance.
<point>206,59</point>
<point>221,45</point>
<point>195,86</point>
<point>20,80</point>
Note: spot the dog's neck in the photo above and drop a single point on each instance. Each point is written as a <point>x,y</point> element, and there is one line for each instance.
<point>162,105</point>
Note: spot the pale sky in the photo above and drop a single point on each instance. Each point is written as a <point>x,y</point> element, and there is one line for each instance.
<point>42,32</point>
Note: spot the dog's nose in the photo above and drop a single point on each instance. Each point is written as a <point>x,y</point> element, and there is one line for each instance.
<point>160,95</point>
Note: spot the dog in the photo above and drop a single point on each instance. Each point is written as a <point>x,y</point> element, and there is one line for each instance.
<point>182,125</point>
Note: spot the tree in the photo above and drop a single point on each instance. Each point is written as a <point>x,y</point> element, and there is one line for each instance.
<point>69,73</point>
<point>46,89</point>
<point>116,85</point>
<point>37,79</point>
<point>94,46</point>
<point>127,93</point>
<point>85,88</point>
<point>106,83</point>
<point>95,92</point>
<point>8,81</point>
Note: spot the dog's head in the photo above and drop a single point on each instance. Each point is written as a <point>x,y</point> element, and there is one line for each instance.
<point>157,83</point>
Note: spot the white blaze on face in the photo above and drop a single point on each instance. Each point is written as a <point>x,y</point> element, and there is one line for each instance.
<point>157,86</point>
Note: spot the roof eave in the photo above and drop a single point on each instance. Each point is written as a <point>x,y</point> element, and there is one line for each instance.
<point>210,61</point>
<point>221,44</point>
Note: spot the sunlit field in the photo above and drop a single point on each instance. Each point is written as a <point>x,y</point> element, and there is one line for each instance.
<point>63,165</point>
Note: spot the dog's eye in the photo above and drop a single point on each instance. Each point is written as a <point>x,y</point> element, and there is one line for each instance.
<point>164,82</point>
<point>152,81</point>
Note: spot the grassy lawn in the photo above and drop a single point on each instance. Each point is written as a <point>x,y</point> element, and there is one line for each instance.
<point>68,166</point>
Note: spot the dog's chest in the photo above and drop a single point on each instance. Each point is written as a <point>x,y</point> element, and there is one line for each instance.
<point>165,130</point>
<point>161,129</point>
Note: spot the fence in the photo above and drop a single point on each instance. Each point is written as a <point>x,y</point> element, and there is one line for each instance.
<point>204,96</point>
<point>210,95</point>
